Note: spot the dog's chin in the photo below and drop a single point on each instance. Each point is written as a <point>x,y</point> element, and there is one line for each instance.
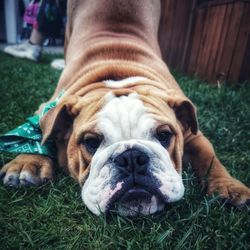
<point>137,201</point>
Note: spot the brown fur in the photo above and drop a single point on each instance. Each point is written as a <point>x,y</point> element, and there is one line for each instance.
<point>115,39</point>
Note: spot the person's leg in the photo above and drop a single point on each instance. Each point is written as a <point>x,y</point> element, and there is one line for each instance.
<point>30,49</point>
<point>37,37</point>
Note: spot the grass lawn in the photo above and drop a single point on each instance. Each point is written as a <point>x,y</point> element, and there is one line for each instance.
<point>53,216</point>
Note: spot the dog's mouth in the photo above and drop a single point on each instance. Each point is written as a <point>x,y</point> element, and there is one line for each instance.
<point>136,198</point>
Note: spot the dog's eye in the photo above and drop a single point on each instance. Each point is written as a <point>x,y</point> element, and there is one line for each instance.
<point>92,142</point>
<point>164,137</point>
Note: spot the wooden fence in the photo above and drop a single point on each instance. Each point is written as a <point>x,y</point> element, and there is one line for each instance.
<point>210,39</point>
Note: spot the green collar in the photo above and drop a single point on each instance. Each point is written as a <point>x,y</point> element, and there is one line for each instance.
<point>26,138</point>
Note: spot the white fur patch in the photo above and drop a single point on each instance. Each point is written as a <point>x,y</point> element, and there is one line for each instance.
<point>26,178</point>
<point>11,179</point>
<point>124,82</point>
<point>125,118</point>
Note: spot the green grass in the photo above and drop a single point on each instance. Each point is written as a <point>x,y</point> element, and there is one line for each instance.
<point>53,216</point>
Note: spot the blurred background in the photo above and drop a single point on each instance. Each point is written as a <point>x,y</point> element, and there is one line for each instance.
<point>19,17</point>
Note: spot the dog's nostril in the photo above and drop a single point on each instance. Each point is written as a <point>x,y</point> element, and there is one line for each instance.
<point>142,159</point>
<point>121,161</point>
<point>141,163</point>
<point>132,160</point>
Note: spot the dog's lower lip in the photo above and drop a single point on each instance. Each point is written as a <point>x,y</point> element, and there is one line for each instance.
<point>136,189</point>
<point>135,193</point>
<point>135,198</point>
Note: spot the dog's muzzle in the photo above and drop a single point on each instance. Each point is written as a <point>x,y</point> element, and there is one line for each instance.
<point>137,176</point>
<point>139,185</point>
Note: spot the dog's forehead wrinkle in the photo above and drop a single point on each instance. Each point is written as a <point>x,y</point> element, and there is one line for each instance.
<point>125,118</point>
<point>123,113</point>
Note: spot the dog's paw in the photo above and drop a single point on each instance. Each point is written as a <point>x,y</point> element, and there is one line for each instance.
<point>230,189</point>
<point>27,170</point>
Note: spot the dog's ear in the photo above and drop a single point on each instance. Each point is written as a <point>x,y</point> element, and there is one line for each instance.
<point>58,120</point>
<point>185,112</point>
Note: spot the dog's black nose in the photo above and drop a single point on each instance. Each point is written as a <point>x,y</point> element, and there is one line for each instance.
<point>132,161</point>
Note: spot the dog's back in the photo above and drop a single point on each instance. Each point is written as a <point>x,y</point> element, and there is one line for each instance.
<point>113,31</point>
<point>90,18</point>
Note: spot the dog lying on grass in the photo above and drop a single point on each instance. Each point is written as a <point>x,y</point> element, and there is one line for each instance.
<point>123,124</point>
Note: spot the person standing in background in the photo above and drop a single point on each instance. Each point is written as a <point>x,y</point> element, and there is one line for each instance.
<point>45,18</point>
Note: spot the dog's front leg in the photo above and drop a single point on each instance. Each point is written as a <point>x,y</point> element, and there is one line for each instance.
<point>211,172</point>
<point>27,170</point>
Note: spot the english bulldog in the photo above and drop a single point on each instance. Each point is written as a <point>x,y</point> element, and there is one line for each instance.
<point>123,124</point>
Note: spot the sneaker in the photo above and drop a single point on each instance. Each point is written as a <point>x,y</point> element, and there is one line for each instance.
<point>58,64</point>
<point>24,50</point>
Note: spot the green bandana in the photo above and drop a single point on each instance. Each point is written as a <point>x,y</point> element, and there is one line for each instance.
<point>27,137</point>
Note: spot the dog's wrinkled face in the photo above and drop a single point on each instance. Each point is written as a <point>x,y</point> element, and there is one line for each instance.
<point>131,170</point>
<point>123,146</point>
